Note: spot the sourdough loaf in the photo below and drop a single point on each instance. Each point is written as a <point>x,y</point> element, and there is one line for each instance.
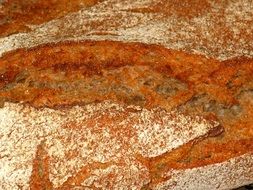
<point>80,111</point>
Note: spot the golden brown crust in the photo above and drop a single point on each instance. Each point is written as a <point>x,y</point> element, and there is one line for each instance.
<point>97,61</point>
<point>180,9</point>
<point>68,74</point>
<point>195,85</point>
<point>17,15</point>
<point>26,75</point>
<point>218,29</point>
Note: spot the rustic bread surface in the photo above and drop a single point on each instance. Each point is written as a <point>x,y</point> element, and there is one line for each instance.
<point>147,87</point>
<point>101,114</point>
<point>218,29</point>
<point>17,15</point>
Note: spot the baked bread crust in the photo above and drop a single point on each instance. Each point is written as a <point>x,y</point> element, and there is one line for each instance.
<point>202,108</point>
<point>17,15</point>
<point>218,92</point>
<point>218,29</point>
<point>105,145</point>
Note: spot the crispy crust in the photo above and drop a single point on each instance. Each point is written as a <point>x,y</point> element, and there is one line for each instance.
<point>18,15</point>
<point>98,145</point>
<point>89,59</point>
<point>218,29</point>
<point>224,86</point>
<point>217,154</point>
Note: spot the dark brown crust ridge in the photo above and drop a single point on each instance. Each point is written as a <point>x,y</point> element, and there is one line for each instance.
<point>190,75</point>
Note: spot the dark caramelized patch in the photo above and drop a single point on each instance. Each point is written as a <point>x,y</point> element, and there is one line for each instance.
<point>7,77</point>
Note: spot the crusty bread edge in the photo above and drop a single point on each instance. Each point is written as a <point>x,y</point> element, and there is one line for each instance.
<point>230,174</point>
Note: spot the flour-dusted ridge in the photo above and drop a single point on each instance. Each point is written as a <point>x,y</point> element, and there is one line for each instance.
<point>227,175</point>
<point>109,140</point>
<point>104,138</point>
<point>222,31</point>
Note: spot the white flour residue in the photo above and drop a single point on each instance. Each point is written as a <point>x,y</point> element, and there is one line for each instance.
<point>212,34</point>
<point>227,175</point>
<point>79,137</point>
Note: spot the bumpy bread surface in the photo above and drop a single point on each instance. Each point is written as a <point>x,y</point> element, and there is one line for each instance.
<point>113,115</point>
<point>17,15</point>
<point>59,76</point>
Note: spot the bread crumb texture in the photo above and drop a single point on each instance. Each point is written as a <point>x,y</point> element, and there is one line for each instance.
<point>218,29</point>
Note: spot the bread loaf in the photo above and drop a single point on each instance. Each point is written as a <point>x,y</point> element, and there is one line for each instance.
<point>88,103</point>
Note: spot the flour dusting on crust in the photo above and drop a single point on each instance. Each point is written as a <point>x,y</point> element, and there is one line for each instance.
<point>90,136</point>
<point>228,175</point>
<point>223,31</point>
<point>108,140</point>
